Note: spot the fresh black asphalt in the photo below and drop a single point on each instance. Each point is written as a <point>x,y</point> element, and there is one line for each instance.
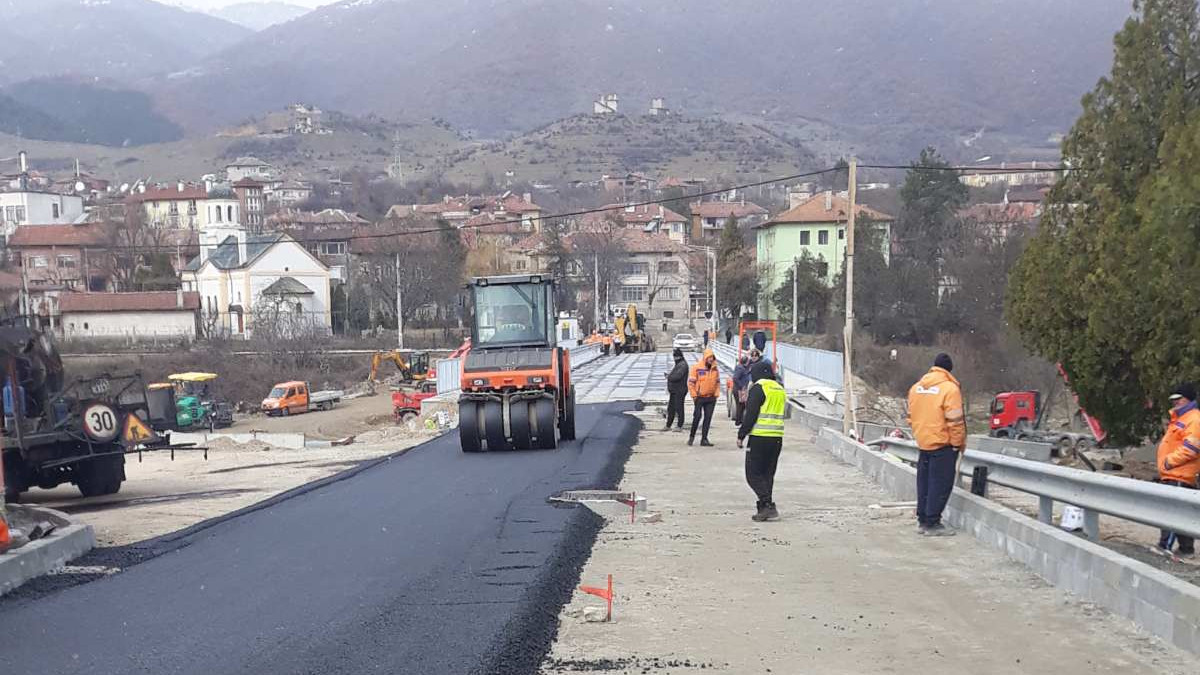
<point>432,562</point>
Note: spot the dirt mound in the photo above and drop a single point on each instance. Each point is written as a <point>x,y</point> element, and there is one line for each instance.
<point>226,444</point>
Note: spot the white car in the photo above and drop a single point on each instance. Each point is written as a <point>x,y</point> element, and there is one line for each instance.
<point>684,341</point>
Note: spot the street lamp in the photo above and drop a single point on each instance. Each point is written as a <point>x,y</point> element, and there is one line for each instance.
<point>711,253</point>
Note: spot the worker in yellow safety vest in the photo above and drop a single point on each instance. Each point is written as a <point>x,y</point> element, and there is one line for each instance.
<point>766,409</point>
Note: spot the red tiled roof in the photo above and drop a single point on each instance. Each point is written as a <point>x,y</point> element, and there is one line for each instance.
<point>814,211</point>
<point>1002,213</point>
<point>727,209</point>
<point>639,215</point>
<point>87,234</point>
<point>153,301</point>
<point>636,241</point>
<point>172,193</point>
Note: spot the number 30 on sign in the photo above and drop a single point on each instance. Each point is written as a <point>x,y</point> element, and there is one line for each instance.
<point>100,422</point>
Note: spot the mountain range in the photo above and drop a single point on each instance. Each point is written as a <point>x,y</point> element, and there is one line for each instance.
<point>259,15</point>
<point>895,68</point>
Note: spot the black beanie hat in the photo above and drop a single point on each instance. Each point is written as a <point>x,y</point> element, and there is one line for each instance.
<point>1186,390</point>
<point>678,353</point>
<point>944,362</point>
<point>761,371</point>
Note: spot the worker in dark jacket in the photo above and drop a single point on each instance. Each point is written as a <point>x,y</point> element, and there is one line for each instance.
<point>677,387</point>
<point>741,387</point>
<point>766,408</point>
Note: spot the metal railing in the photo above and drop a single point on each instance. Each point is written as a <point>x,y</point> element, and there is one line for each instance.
<point>815,364</point>
<point>582,355</point>
<point>1161,506</point>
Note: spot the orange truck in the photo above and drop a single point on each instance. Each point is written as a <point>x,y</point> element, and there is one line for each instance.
<point>289,398</point>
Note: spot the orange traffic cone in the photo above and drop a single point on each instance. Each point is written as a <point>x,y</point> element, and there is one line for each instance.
<point>606,593</point>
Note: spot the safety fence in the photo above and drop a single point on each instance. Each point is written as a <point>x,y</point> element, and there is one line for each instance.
<point>1160,506</point>
<point>449,371</point>
<point>815,364</point>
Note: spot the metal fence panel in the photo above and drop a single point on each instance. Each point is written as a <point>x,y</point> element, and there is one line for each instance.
<point>449,375</point>
<point>816,364</point>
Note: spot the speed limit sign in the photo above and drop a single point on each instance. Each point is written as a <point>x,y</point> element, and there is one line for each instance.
<point>100,422</point>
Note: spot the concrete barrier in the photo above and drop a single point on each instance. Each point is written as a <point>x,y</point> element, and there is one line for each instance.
<point>1157,602</point>
<point>69,541</point>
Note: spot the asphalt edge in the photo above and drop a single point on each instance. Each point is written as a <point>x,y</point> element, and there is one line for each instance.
<point>131,555</point>
<point>527,638</point>
<point>1155,601</point>
<point>41,556</point>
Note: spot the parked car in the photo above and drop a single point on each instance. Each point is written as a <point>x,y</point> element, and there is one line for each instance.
<point>684,341</point>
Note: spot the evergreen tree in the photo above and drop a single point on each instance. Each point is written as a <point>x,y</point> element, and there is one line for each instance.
<point>737,273</point>
<point>811,291</point>
<point>1107,287</point>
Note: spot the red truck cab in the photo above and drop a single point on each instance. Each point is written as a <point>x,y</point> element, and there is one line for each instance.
<point>1015,408</point>
<point>406,403</point>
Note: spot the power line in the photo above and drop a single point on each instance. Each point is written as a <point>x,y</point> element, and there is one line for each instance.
<point>516,221</point>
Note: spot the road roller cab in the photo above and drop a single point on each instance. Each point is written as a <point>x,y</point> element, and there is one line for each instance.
<point>516,382</point>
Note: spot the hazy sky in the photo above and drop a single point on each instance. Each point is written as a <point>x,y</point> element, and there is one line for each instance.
<point>212,4</point>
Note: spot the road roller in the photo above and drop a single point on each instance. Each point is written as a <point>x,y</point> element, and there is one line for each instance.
<point>516,381</point>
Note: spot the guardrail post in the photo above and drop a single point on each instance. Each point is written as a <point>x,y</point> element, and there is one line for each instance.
<point>1091,524</point>
<point>1046,510</point>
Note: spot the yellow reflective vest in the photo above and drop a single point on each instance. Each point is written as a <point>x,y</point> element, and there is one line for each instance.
<point>772,413</point>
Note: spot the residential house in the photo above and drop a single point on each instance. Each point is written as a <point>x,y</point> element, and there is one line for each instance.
<point>58,259</point>
<point>249,167</point>
<point>234,271</point>
<point>184,206</point>
<point>628,185</point>
<point>649,218</point>
<point>654,272</point>
<point>457,211</point>
<point>28,206</point>
<point>1012,174</point>
<point>999,221</point>
<point>289,193</point>
<point>816,226</point>
<point>155,314</point>
<point>709,218</point>
<point>252,197</point>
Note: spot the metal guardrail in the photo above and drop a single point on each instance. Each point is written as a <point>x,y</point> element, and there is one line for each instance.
<point>582,355</point>
<point>1161,506</point>
<point>816,364</point>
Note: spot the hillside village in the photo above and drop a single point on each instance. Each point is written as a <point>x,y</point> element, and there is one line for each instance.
<point>250,247</point>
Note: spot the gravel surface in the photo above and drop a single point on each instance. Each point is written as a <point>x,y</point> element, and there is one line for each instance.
<point>432,562</point>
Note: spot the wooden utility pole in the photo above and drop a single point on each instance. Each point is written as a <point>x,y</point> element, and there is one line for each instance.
<point>399,308</point>
<point>596,293</point>
<point>848,421</point>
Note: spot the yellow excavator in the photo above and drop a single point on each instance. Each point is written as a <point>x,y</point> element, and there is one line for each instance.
<point>413,366</point>
<point>631,326</point>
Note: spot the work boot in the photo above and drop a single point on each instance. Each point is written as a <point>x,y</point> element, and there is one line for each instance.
<point>706,443</point>
<point>691,440</point>
<point>938,530</point>
<point>679,429</point>
<point>760,516</point>
<point>770,512</point>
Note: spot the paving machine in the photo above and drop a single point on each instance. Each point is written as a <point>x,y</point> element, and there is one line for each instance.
<point>516,381</point>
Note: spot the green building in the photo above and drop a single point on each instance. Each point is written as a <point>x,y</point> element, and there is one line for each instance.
<point>816,225</point>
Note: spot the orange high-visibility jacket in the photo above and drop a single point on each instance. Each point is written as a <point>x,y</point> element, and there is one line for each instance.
<point>935,411</point>
<point>1180,446</point>
<point>704,381</point>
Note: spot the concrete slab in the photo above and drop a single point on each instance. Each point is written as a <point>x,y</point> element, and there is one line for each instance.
<point>43,556</point>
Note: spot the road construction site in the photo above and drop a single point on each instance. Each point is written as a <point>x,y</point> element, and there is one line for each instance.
<point>400,553</point>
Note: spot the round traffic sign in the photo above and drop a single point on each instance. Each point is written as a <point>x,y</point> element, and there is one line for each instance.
<point>100,422</point>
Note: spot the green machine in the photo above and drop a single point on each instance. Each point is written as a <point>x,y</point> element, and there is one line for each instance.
<point>196,404</point>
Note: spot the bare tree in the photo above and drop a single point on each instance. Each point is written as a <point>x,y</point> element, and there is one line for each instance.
<point>136,253</point>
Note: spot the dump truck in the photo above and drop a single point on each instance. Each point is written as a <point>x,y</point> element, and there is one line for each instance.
<point>59,431</point>
<point>516,382</point>
<point>290,398</point>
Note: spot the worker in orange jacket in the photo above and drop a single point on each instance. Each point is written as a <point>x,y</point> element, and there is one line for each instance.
<point>1179,457</point>
<point>935,412</point>
<point>704,384</point>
